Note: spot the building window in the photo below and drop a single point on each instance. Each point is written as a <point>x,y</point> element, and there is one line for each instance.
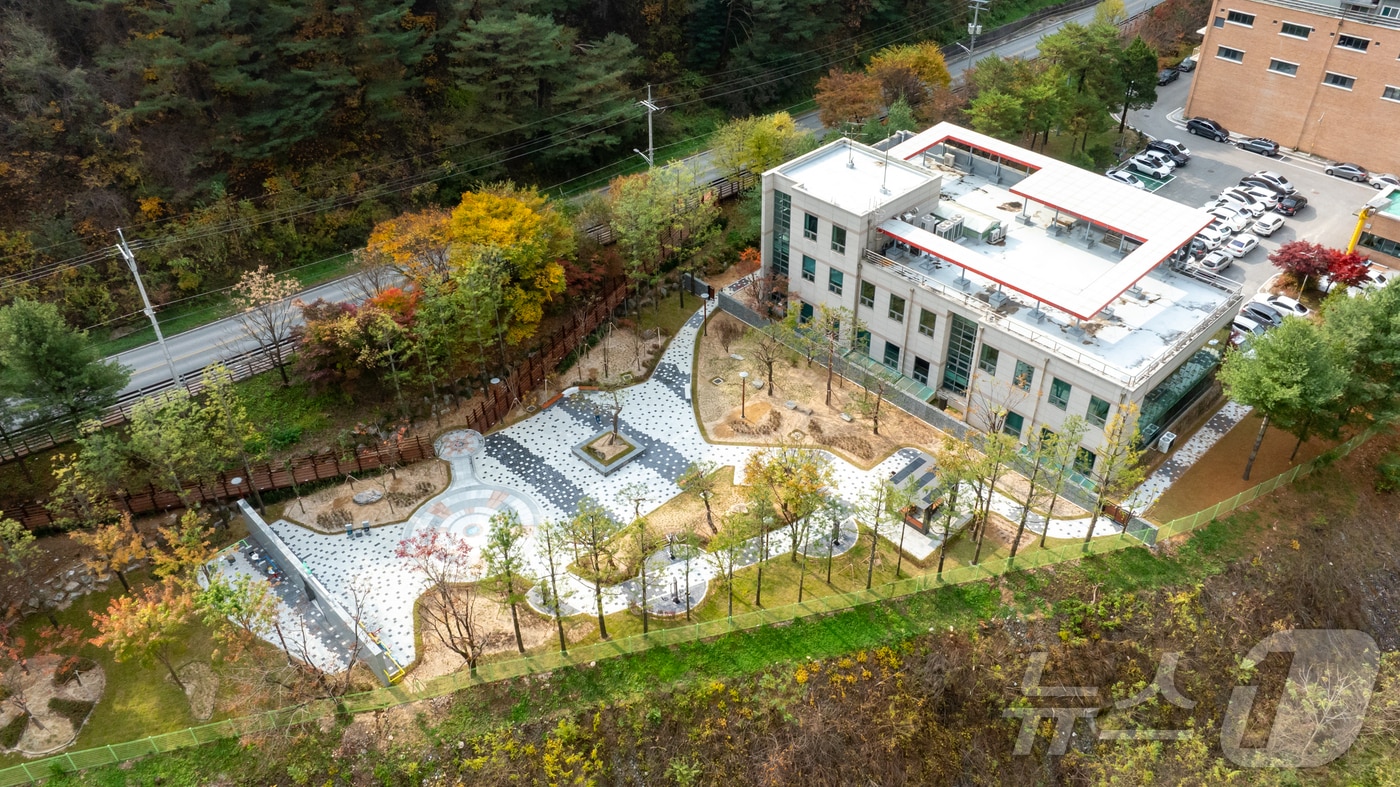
<point>835,281</point>
<point>867,295</point>
<point>988,361</point>
<point>962,339</point>
<point>1098,411</point>
<point>921,370</point>
<point>1013,424</point>
<point>1297,31</point>
<point>1059,393</point>
<point>804,314</point>
<point>838,239</point>
<point>1220,21</point>
<point>892,355</point>
<point>1240,18</point>
<point>809,268</point>
<point>1025,374</point>
<point>1283,67</point>
<point>1353,42</point>
<point>896,308</point>
<point>809,227</point>
<point>1233,55</point>
<point>1391,93</point>
<point>863,342</point>
<point>926,322</point>
<point>782,228</point>
<point>1339,80</point>
<point>1084,461</point>
<point>1390,11</point>
<point>1382,245</point>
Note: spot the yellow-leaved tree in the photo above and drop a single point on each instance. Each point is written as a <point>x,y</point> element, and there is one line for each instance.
<point>415,244</point>
<point>514,238</point>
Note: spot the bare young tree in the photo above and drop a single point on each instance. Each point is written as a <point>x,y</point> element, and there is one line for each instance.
<point>268,310</point>
<point>700,479</point>
<point>372,275</point>
<point>728,330</point>
<point>449,601</point>
<point>768,350</point>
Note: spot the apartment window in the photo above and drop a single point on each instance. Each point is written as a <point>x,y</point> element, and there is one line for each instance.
<point>782,228</point>
<point>1297,31</point>
<point>892,355</point>
<point>926,322</point>
<point>863,342</point>
<point>1059,393</point>
<point>1339,80</point>
<point>809,227</point>
<point>1233,55</point>
<point>1025,373</point>
<point>1098,411</point>
<point>896,308</point>
<point>804,315</point>
<point>809,268</point>
<point>867,295</point>
<point>921,370</point>
<point>962,338</point>
<point>1390,11</point>
<point>835,281</point>
<point>988,361</point>
<point>1283,67</point>
<point>1220,21</point>
<point>1353,42</point>
<point>1240,18</point>
<point>838,239</point>
<point>1391,93</point>
<point>1013,424</point>
<point>1084,461</point>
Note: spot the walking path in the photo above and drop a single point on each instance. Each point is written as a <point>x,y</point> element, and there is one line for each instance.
<point>530,466</point>
<point>1207,436</point>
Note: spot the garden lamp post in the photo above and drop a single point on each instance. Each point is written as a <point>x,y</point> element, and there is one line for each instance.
<point>743,395</point>
<point>705,314</point>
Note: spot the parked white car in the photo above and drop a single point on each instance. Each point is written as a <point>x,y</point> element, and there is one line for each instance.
<point>1283,304</point>
<point>1276,179</point>
<point>1144,165</point>
<point>1241,245</point>
<point>1239,201</point>
<point>1126,178</point>
<point>1267,225</point>
<point>1216,261</point>
<point>1234,219</point>
<point>1211,238</point>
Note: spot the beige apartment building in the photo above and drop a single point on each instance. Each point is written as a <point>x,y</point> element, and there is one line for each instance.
<point>1319,77</point>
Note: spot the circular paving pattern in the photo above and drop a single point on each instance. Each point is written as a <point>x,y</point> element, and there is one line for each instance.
<point>460,444</point>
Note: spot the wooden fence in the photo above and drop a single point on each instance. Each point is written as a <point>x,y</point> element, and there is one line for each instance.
<point>482,416</point>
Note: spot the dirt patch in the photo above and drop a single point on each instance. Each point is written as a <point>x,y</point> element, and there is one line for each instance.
<point>201,688</point>
<point>420,481</point>
<point>1219,474</point>
<point>1015,486</point>
<point>535,630</point>
<point>805,386</point>
<point>622,355</point>
<point>49,730</point>
<point>608,447</point>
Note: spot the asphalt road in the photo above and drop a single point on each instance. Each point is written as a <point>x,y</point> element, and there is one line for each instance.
<point>197,348</point>
<point>1329,218</point>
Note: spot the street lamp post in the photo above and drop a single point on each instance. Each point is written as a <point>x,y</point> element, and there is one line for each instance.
<point>743,394</point>
<point>705,314</point>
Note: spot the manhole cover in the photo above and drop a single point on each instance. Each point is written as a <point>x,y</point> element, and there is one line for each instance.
<point>718,381</point>
<point>796,434</point>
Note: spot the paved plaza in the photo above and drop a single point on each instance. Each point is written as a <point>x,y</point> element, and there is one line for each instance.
<point>530,467</point>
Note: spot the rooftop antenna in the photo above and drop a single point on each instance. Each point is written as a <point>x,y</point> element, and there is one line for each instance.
<point>850,156</point>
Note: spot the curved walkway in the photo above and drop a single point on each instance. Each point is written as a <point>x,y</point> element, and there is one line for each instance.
<point>530,466</point>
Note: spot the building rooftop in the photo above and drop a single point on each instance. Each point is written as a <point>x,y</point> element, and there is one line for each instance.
<point>854,177</point>
<point>1050,194</point>
<point>1020,282</point>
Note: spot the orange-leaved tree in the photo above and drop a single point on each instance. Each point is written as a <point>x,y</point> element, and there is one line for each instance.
<point>415,244</point>
<point>847,97</point>
<point>147,628</point>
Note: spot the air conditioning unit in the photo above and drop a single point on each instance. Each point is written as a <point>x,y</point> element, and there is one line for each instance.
<point>1164,443</point>
<point>949,159</point>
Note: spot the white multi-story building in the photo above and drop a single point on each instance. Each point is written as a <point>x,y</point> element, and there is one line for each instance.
<point>1000,280</point>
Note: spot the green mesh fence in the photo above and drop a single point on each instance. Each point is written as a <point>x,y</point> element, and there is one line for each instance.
<point>413,690</point>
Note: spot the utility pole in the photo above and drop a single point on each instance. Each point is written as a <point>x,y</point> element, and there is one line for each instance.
<point>973,29</point>
<point>146,301</point>
<point>651,109</point>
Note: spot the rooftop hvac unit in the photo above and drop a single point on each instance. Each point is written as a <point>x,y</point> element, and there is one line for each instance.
<point>950,159</point>
<point>950,229</point>
<point>997,234</point>
<point>1164,443</point>
<point>908,217</point>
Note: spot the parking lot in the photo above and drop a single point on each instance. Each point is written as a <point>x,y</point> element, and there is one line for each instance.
<point>1329,218</point>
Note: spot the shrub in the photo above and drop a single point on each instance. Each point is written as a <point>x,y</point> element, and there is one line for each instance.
<point>10,733</point>
<point>74,711</point>
<point>283,436</point>
<point>69,668</point>
<point>1388,473</point>
<point>768,425</point>
<point>334,518</point>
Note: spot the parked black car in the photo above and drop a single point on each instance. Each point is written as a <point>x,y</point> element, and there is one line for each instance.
<point>1173,150</point>
<point>1291,204</point>
<point>1167,75</point>
<point>1205,127</point>
<point>1250,180</point>
<point>1263,314</point>
<point>1189,64</point>
<point>1261,145</point>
